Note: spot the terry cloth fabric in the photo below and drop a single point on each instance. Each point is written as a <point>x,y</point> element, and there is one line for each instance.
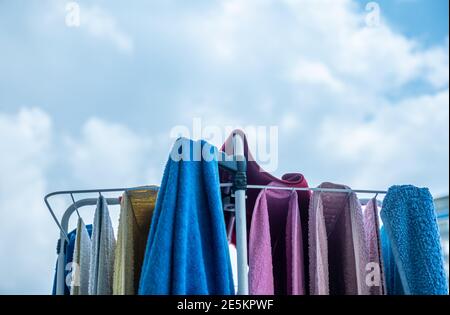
<point>134,224</point>
<point>412,250</point>
<point>187,250</point>
<point>102,251</point>
<point>256,175</point>
<point>337,247</point>
<point>372,230</point>
<point>392,277</point>
<point>81,258</point>
<point>275,245</point>
<point>69,249</point>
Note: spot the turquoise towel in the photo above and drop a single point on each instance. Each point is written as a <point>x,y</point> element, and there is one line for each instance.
<point>411,248</point>
<point>187,249</point>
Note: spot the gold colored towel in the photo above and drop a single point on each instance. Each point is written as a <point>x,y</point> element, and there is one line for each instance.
<point>136,210</point>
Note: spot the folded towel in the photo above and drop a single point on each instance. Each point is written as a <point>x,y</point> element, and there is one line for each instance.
<point>412,250</point>
<point>276,263</point>
<point>134,224</point>
<point>81,258</point>
<point>102,251</point>
<point>337,246</point>
<point>187,250</point>
<point>372,229</point>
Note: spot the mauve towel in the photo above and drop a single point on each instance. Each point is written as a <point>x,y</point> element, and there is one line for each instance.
<point>256,175</point>
<point>337,249</point>
<point>276,264</point>
<point>372,230</point>
<point>412,250</point>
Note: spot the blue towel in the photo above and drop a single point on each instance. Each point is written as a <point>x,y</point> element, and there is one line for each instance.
<point>68,258</point>
<point>187,249</point>
<point>411,246</point>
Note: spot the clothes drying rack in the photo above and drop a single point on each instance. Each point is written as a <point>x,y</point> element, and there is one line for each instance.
<point>235,164</point>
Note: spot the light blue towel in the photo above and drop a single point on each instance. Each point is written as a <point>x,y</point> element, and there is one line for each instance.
<point>187,249</point>
<point>411,247</point>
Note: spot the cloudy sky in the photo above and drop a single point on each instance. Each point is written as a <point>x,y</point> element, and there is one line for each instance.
<point>357,101</point>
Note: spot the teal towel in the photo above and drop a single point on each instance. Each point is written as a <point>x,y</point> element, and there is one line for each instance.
<point>187,249</point>
<point>411,247</point>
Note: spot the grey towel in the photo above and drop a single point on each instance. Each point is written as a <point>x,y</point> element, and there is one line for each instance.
<point>102,251</point>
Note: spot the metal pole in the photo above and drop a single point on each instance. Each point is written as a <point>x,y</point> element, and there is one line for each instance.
<point>241,226</point>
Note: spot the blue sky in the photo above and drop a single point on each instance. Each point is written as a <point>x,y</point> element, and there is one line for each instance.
<point>424,20</point>
<point>93,106</point>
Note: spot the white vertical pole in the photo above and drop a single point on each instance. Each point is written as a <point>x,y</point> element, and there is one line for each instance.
<point>241,226</point>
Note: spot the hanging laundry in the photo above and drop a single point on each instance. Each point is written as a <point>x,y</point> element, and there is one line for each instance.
<point>256,175</point>
<point>276,264</point>
<point>136,209</point>
<point>81,259</point>
<point>412,250</point>
<point>187,250</point>
<point>372,230</point>
<point>337,248</point>
<point>102,251</point>
<point>68,251</point>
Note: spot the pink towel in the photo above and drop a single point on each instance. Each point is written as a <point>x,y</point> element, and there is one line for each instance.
<point>372,229</point>
<point>276,264</point>
<point>337,247</point>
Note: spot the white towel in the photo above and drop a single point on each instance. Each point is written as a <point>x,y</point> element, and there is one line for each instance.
<point>102,251</point>
<point>81,258</point>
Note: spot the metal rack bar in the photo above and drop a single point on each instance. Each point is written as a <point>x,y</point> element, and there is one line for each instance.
<point>337,190</point>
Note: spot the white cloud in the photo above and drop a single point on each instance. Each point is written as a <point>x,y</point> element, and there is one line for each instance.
<point>339,82</point>
<point>317,41</point>
<point>308,72</point>
<point>27,244</point>
<point>106,155</point>
<point>91,19</point>
<point>111,155</point>
<point>404,143</point>
<point>101,24</point>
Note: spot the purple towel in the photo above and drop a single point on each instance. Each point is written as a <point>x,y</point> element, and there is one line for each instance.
<point>275,245</point>
<point>337,248</point>
<point>372,229</point>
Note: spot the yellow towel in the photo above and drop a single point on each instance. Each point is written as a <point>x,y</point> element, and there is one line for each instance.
<point>136,210</point>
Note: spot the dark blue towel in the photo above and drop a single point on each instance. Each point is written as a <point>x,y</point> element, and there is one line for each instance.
<point>187,249</point>
<point>411,247</point>
<point>68,258</point>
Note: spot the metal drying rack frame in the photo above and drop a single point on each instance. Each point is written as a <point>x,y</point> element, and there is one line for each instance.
<point>236,164</point>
